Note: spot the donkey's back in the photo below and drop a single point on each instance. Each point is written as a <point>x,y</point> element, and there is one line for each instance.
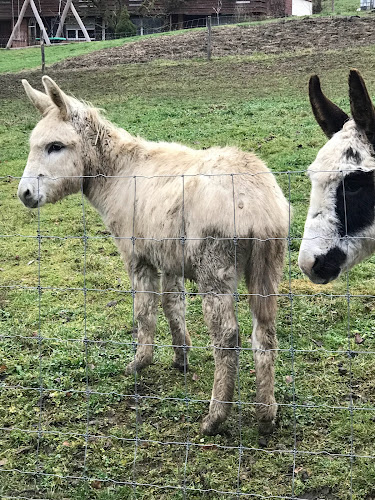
<point>224,190</point>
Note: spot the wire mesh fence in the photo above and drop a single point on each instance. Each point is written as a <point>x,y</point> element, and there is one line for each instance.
<point>146,26</point>
<point>88,426</point>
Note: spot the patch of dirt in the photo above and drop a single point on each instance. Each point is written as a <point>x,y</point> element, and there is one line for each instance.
<point>272,38</point>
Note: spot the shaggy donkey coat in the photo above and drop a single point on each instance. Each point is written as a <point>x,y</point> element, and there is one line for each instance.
<point>211,216</point>
<point>340,225</point>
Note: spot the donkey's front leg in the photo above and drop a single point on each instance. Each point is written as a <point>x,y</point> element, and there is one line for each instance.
<point>145,284</point>
<point>221,320</point>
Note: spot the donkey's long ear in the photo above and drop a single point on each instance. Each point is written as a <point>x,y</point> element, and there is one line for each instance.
<point>329,116</point>
<point>361,105</point>
<point>40,100</point>
<point>56,95</point>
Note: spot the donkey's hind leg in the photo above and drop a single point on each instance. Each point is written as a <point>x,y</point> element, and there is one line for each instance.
<point>174,310</point>
<point>221,320</point>
<point>263,275</point>
<point>146,286</point>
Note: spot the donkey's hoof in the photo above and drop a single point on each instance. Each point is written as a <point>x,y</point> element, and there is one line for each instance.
<point>263,441</point>
<point>209,427</point>
<point>131,368</point>
<point>135,366</point>
<point>180,366</point>
<point>266,416</point>
<point>266,427</point>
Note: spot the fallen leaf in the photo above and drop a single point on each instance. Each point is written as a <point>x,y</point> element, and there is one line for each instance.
<point>195,377</point>
<point>358,339</point>
<point>112,303</point>
<point>298,469</point>
<point>318,343</point>
<point>22,450</point>
<point>30,262</point>
<point>66,443</point>
<point>3,368</point>
<point>288,379</point>
<point>96,485</point>
<point>4,461</point>
<point>251,372</point>
<point>209,446</point>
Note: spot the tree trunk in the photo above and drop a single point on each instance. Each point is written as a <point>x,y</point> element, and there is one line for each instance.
<point>317,6</point>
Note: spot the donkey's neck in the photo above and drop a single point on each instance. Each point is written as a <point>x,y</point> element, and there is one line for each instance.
<point>108,154</point>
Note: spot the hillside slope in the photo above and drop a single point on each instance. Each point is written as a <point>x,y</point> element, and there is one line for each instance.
<point>291,35</point>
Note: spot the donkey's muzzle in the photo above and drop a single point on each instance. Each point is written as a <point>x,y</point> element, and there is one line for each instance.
<point>28,196</point>
<point>328,266</point>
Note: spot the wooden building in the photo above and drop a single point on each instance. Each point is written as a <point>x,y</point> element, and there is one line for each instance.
<point>50,12</point>
<point>190,10</point>
<point>147,15</point>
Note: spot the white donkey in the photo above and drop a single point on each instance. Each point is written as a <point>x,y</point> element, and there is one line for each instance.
<point>211,216</point>
<point>340,226</point>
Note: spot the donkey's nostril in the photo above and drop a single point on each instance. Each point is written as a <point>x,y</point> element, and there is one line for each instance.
<point>27,194</point>
<point>318,264</point>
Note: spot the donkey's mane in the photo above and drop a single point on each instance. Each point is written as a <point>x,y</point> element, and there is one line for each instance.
<point>84,113</point>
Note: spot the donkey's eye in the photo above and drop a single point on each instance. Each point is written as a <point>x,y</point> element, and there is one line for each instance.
<point>358,181</point>
<point>353,188</point>
<point>355,182</point>
<point>355,202</point>
<point>55,147</point>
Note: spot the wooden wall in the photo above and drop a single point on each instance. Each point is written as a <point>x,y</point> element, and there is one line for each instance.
<point>50,8</point>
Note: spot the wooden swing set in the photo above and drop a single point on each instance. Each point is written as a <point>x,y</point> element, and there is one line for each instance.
<point>44,35</point>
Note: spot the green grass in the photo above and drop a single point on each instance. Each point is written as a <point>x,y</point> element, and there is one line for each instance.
<point>341,7</point>
<point>29,58</point>
<point>257,104</point>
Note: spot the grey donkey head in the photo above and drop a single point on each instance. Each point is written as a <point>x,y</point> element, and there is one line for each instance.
<point>340,225</point>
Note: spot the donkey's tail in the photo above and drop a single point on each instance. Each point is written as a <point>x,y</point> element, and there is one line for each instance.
<point>263,274</point>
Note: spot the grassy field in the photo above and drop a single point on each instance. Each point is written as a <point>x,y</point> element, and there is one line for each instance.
<point>341,7</point>
<point>66,442</point>
<point>30,58</point>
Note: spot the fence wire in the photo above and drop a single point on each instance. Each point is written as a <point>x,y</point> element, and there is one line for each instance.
<point>36,476</point>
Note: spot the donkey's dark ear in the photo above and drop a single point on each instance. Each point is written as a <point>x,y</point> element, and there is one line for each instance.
<point>361,105</point>
<point>329,116</point>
